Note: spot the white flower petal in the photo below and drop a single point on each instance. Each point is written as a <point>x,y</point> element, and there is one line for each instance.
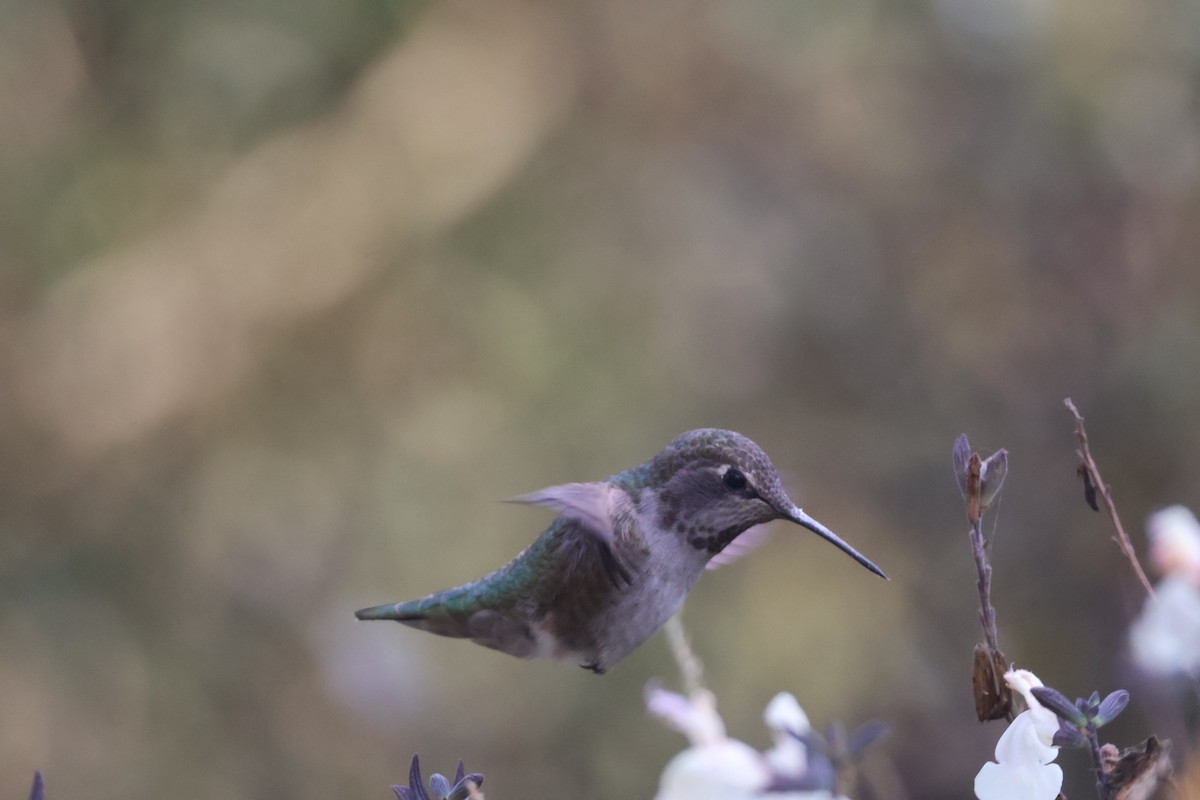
<point>1045,720</point>
<point>1022,680</point>
<point>1045,723</point>
<point>1175,542</point>
<point>726,770</point>
<point>1024,771</point>
<point>1165,638</point>
<point>695,717</point>
<point>1006,782</point>
<point>1020,743</point>
<point>785,714</point>
<point>784,717</point>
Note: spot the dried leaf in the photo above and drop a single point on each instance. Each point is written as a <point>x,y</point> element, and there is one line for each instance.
<point>1089,488</point>
<point>993,698</point>
<point>1140,769</point>
<point>974,490</point>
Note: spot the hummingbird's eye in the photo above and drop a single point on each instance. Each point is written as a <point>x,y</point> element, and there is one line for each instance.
<point>734,479</point>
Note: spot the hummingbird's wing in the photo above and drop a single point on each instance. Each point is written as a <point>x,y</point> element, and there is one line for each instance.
<point>604,513</point>
<point>590,503</point>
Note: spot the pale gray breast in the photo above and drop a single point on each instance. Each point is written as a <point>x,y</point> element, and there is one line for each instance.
<point>667,573</point>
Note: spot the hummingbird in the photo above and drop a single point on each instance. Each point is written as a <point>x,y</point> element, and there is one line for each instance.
<point>620,556</point>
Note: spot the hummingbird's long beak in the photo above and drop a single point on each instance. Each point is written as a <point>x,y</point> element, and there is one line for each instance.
<point>800,518</point>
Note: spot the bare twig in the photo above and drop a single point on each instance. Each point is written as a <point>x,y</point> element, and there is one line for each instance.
<point>987,612</point>
<point>1092,473</point>
<point>1098,761</point>
<point>998,694</point>
<point>993,699</point>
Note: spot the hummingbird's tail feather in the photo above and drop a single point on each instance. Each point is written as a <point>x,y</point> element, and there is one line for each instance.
<point>401,612</point>
<point>450,606</point>
<point>451,613</point>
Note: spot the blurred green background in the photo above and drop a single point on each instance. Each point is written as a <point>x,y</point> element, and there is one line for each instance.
<point>292,293</point>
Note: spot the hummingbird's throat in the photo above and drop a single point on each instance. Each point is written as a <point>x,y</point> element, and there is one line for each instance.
<point>714,543</point>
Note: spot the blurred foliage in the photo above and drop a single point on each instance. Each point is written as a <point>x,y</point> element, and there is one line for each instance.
<point>291,293</point>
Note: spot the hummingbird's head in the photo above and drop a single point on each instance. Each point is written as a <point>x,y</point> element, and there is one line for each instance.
<point>712,485</point>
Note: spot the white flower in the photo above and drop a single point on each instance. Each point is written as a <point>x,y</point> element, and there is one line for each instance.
<point>1165,638</point>
<point>726,769</point>
<point>1175,542</point>
<point>1045,722</point>
<point>695,717</point>
<point>1023,771</point>
<point>785,717</point>
<point>716,767</point>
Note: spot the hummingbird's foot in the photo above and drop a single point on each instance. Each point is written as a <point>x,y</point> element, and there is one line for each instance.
<point>595,667</point>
